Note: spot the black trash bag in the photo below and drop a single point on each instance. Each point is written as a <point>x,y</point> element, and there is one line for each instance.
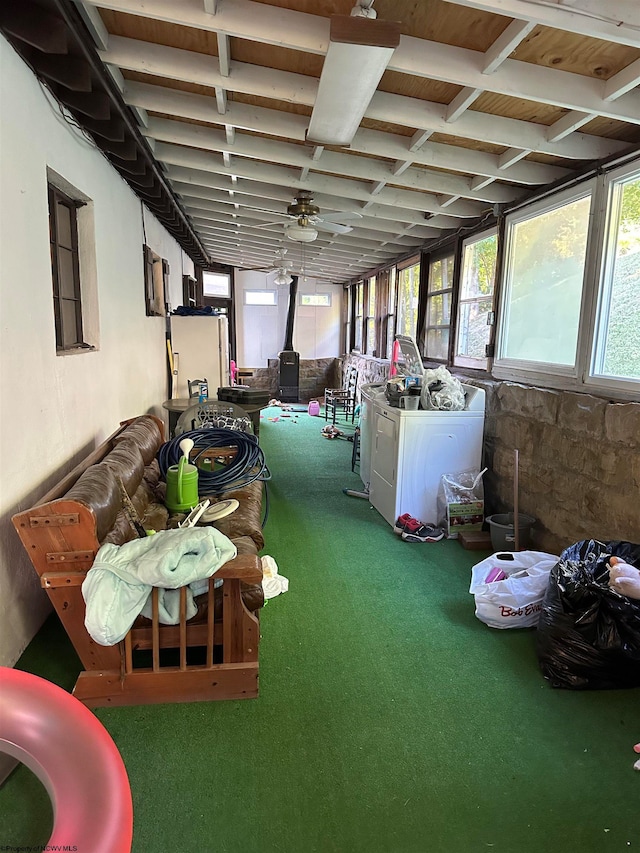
<point>589,635</point>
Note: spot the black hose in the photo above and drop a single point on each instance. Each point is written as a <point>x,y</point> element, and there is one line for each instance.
<point>247,466</point>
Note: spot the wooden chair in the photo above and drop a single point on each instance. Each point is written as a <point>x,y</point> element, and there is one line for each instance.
<point>342,399</point>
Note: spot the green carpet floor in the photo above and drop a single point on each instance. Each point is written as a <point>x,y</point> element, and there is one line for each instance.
<point>390,720</point>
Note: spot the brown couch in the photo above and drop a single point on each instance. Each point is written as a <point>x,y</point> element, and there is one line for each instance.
<point>214,655</point>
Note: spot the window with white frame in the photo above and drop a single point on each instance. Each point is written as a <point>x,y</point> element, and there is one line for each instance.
<point>358,316</point>
<point>316,300</point>
<point>371,317</point>
<point>616,340</point>
<point>216,284</point>
<point>390,319</point>
<point>438,308</point>
<point>260,297</point>
<point>543,284</point>
<point>408,286</point>
<point>475,302</point>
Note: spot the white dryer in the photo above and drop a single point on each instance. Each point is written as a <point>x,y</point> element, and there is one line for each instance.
<point>410,451</point>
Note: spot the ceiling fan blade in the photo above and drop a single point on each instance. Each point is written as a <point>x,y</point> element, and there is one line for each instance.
<point>268,270</point>
<point>267,225</point>
<point>332,227</point>
<point>340,216</point>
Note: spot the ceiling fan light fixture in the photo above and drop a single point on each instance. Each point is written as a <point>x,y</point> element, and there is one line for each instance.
<point>282,278</point>
<point>301,233</point>
<point>359,51</point>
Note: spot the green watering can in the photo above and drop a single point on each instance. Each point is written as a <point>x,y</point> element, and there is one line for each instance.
<point>182,482</point>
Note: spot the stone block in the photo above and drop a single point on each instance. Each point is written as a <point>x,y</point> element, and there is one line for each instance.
<point>622,423</point>
<point>582,413</point>
<point>539,404</point>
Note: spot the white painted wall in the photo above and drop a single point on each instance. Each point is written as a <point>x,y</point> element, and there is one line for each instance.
<point>54,409</point>
<point>260,330</point>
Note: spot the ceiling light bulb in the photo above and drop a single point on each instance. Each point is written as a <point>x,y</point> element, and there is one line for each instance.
<point>282,278</point>
<point>301,233</point>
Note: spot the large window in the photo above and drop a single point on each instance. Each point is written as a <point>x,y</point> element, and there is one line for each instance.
<point>570,307</point>
<point>616,353</point>
<point>475,302</point>
<point>546,253</point>
<point>438,309</point>
<point>407,298</point>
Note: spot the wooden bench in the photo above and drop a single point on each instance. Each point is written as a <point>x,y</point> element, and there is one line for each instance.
<point>212,656</point>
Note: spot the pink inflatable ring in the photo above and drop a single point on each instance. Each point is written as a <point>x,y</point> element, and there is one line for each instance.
<point>74,757</point>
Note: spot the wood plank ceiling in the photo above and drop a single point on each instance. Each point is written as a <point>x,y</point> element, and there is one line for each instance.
<point>482,102</point>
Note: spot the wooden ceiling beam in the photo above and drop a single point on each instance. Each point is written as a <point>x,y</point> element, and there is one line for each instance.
<point>301,31</point>
<point>211,187</point>
<point>298,156</point>
<point>415,56</point>
<point>191,67</point>
<point>290,126</point>
<point>569,123</point>
<point>363,241</point>
<point>340,246</point>
<point>514,78</point>
<point>610,27</point>
<point>622,82</point>
<point>178,155</point>
<point>505,44</point>
<point>378,225</point>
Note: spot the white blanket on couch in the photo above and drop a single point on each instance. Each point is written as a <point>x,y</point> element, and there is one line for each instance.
<point>117,588</point>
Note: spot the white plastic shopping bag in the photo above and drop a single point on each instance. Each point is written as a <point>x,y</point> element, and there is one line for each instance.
<point>516,600</point>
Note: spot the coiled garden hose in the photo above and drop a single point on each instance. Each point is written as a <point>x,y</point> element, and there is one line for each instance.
<point>247,466</point>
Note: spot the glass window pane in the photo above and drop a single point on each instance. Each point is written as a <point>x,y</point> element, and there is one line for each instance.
<point>70,336</point>
<point>473,331</point>
<point>392,290</point>
<point>441,274</point>
<point>319,300</point>
<point>63,215</point>
<point>66,286</point>
<point>371,336</point>
<point>360,298</point>
<point>390,335</point>
<point>372,297</point>
<point>479,268</point>
<point>546,268</point>
<point>621,336</point>
<point>408,283</point>
<point>260,297</point>
<point>438,343</point>
<point>216,284</point>
<point>439,310</point>
<point>358,335</point>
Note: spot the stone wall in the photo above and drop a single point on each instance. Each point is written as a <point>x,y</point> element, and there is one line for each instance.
<point>579,459</point>
<point>315,375</point>
<point>579,462</point>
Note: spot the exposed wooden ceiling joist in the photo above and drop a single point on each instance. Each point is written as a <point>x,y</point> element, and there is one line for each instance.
<point>477,110</point>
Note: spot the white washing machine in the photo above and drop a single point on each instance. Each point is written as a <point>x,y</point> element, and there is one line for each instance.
<point>410,451</point>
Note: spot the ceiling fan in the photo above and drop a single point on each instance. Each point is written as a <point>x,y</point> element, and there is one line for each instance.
<point>306,220</point>
<point>279,266</point>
